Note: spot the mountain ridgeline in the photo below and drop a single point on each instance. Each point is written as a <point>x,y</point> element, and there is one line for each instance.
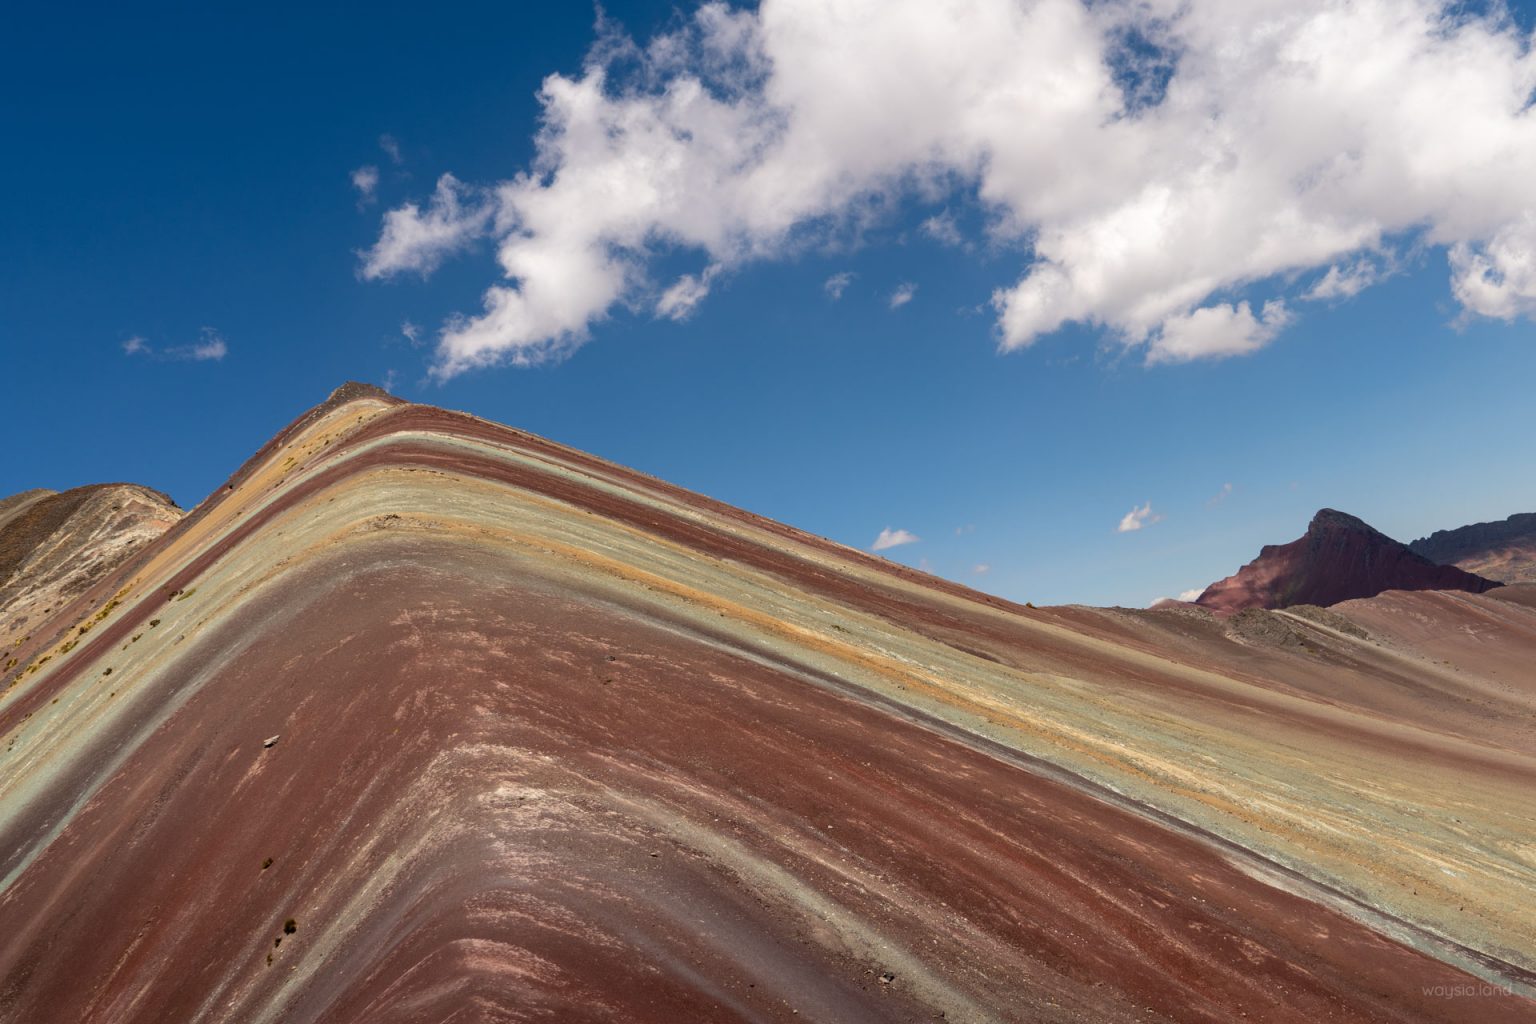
<point>424,718</point>
<point>1503,550</point>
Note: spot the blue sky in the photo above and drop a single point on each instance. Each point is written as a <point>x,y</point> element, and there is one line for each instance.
<point>184,177</point>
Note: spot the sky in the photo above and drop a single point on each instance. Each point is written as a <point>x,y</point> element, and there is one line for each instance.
<point>1069,303</point>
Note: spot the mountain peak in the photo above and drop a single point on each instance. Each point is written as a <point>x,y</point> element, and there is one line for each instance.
<point>1339,558</point>
<point>1333,519</point>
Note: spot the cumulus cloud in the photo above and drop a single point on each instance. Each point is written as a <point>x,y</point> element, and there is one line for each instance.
<point>837,284</point>
<point>1190,595</point>
<point>366,180</point>
<point>903,294</point>
<point>1138,517</point>
<point>209,347</point>
<point>890,538</point>
<point>419,240</point>
<point>1220,330</point>
<point>1157,164</point>
<point>1498,278</point>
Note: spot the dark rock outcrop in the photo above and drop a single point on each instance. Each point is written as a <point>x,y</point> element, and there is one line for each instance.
<point>1504,550</point>
<point>1339,558</point>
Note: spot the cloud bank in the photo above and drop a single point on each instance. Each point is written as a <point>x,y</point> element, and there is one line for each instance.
<point>1174,173</point>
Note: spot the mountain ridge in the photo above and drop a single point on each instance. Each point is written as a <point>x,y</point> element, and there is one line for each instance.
<point>420,716</point>
<point>1502,549</point>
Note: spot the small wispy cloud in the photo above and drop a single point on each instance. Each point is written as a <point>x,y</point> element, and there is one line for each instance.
<point>366,180</point>
<point>890,538</point>
<point>1190,595</point>
<point>391,378</point>
<point>1138,517</point>
<point>390,147</point>
<point>679,301</point>
<point>209,347</point>
<point>212,346</point>
<point>941,227</point>
<point>1346,281</point>
<point>903,294</point>
<point>837,284</point>
<point>981,568</point>
<point>968,528</point>
<point>412,333</point>
<point>1220,496</point>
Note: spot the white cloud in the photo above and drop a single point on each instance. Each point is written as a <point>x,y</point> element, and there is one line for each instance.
<point>1138,517</point>
<point>366,181</point>
<point>678,301</point>
<point>890,538</point>
<point>981,569</point>
<point>391,148</point>
<point>1498,278</point>
<point>1190,595</point>
<point>1220,496</point>
<point>837,284</point>
<point>210,347</point>
<point>1343,282</point>
<point>941,227</point>
<point>903,294</point>
<point>415,240</point>
<point>411,332</point>
<point>1253,144</point>
<point>1223,330</point>
<point>968,528</point>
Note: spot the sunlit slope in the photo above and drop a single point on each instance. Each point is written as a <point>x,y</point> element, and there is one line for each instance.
<point>554,740</point>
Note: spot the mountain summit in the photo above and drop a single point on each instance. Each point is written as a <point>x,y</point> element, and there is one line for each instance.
<point>1339,558</point>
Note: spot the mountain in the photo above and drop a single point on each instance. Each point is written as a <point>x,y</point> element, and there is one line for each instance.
<point>1339,558</point>
<point>423,718</point>
<point>54,546</point>
<point>1503,551</point>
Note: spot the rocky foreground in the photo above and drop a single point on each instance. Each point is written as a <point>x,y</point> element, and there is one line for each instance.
<point>421,718</point>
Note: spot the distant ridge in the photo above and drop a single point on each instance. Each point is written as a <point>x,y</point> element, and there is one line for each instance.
<point>1503,550</point>
<point>1339,558</point>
